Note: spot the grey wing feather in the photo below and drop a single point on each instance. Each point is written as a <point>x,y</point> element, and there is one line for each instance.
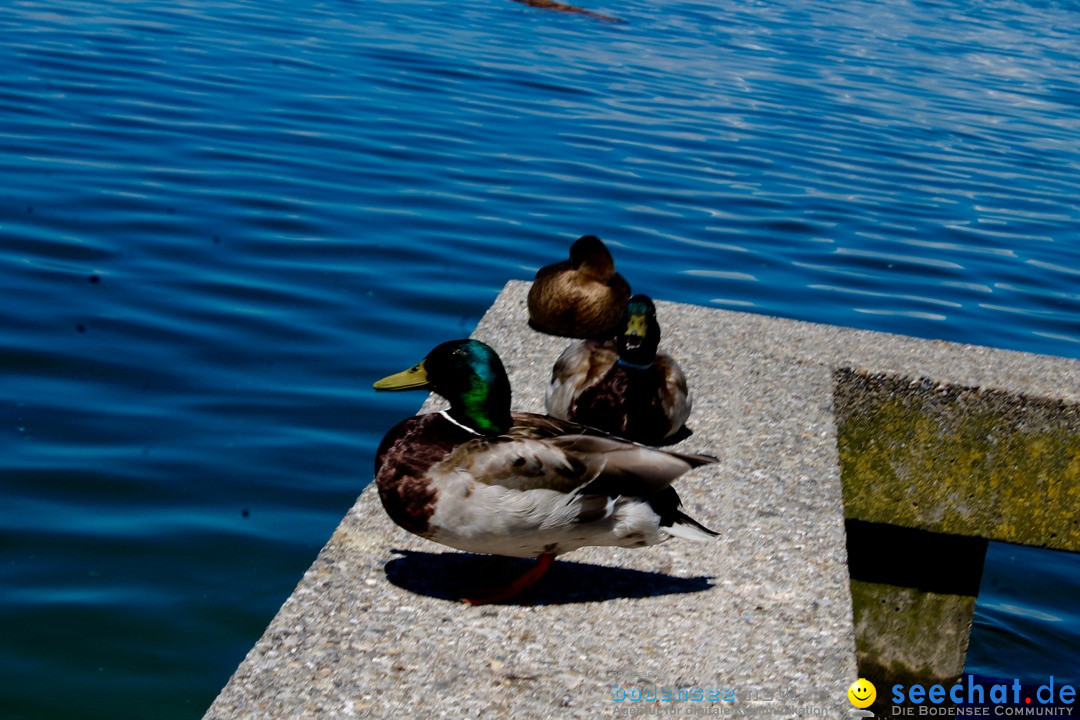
<point>542,456</point>
<point>522,463</point>
<point>580,366</point>
<point>624,460</point>
<point>675,390</point>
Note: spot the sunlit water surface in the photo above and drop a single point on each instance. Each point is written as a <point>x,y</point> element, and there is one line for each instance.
<point>220,221</point>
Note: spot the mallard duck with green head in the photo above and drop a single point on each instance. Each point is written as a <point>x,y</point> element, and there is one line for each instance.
<point>625,386</point>
<point>480,478</point>
<point>582,297</point>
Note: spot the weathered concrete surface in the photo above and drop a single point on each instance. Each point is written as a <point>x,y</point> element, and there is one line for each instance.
<point>961,460</point>
<point>907,635</point>
<point>954,460</point>
<point>374,630</point>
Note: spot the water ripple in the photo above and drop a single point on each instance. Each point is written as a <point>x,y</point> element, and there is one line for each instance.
<point>279,203</point>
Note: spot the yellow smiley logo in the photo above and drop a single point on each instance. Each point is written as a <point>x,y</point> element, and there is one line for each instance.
<point>862,693</point>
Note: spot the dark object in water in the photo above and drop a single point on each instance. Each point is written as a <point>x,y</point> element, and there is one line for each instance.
<point>563,7</point>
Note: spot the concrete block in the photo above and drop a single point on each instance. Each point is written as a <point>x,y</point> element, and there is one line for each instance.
<point>374,628</point>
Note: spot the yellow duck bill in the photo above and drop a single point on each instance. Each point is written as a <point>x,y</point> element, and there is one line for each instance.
<point>414,377</point>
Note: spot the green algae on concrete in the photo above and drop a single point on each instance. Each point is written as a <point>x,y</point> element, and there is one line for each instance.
<point>959,460</point>
<point>907,636</point>
<point>949,460</point>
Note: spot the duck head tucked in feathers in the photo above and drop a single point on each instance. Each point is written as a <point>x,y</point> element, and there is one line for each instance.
<point>581,297</point>
<point>479,478</point>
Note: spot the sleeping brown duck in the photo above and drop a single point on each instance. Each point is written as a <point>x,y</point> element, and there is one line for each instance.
<point>582,297</point>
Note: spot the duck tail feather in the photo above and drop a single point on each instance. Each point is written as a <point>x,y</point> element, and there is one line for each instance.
<point>688,528</point>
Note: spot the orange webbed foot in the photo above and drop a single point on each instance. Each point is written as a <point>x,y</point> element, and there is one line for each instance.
<point>523,583</point>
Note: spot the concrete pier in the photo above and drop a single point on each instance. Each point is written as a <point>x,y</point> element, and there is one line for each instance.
<point>760,623</point>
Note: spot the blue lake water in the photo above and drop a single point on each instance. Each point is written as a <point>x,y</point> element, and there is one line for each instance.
<point>220,221</point>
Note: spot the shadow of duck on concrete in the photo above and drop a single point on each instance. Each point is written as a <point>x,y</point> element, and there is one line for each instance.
<point>454,575</point>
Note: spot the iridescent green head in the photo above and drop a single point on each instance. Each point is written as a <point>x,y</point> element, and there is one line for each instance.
<point>641,333</point>
<point>470,375</point>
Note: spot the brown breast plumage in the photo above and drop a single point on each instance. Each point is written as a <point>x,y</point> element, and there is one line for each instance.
<point>403,459</point>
